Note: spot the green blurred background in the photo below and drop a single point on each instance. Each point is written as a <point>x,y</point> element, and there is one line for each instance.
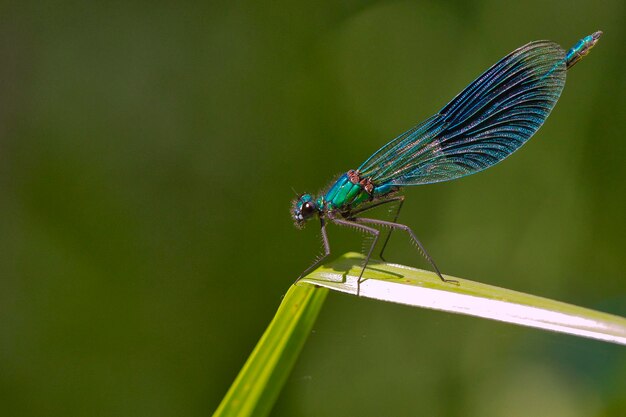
<point>147,157</point>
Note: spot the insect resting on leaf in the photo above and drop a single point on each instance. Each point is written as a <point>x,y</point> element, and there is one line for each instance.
<point>489,120</point>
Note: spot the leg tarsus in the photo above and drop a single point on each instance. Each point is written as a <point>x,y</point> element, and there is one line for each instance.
<point>370,230</point>
<point>414,238</point>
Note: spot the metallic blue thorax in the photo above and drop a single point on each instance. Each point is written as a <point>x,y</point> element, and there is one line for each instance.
<point>346,194</point>
<point>343,194</point>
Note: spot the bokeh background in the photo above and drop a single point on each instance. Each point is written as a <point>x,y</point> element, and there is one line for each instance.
<point>147,157</point>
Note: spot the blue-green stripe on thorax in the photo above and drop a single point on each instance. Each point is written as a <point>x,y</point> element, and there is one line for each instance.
<point>344,194</point>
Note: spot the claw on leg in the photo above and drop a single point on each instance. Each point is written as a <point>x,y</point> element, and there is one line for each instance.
<point>367,229</point>
<point>413,237</point>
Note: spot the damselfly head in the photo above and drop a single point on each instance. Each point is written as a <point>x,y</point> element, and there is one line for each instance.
<point>304,208</point>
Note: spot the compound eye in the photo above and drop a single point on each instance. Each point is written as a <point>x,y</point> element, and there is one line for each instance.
<point>308,209</point>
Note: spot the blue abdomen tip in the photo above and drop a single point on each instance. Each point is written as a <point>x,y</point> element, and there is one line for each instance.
<point>582,48</point>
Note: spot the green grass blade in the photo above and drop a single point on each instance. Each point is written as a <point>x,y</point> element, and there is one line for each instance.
<point>401,284</point>
<point>262,377</point>
<point>260,380</point>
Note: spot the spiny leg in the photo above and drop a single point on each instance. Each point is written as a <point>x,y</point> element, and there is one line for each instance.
<point>399,198</point>
<point>320,259</point>
<point>407,229</point>
<point>395,219</point>
<point>370,230</point>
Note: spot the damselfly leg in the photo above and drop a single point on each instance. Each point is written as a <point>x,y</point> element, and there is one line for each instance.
<point>366,229</point>
<point>414,238</point>
<point>320,258</point>
<point>400,200</point>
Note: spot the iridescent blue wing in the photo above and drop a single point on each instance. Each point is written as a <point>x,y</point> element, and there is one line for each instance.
<point>485,123</point>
